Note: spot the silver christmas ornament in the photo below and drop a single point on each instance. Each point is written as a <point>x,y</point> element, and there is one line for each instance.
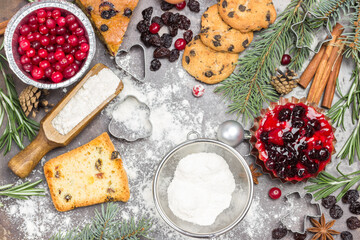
<point>231,132</point>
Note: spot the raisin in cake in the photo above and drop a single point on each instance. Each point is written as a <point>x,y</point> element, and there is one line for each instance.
<point>110,18</point>
<point>90,174</point>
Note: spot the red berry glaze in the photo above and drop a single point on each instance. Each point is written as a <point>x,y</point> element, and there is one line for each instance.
<point>275,193</point>
<point>181,6</point>
<point>180,44</point>
<point>286,59</point>
<point>154,28</point>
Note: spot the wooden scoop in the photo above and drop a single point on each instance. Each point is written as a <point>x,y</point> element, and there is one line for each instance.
<point>48,138</point>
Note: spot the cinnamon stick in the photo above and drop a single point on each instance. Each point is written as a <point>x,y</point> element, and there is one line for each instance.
<point>320,81</point>
<point>331,85</point>
<point>310,71</point>
<point>3,27</point>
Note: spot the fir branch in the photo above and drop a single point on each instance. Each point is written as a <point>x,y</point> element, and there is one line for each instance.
<point>105,226</point>
<point>248,88</point>
<point>332,9</point>
<point>21,191</point>
<point>326,184</point>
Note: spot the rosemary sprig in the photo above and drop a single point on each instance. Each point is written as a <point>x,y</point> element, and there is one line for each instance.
<point>326,184</point>
<point>248,88</point>
<point>21,191</point>
<point>17,124</point>
<point>105,226</point>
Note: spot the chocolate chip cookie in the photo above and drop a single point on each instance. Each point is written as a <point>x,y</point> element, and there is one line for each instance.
<point>247,15</point>
<point>216,34</point>
<point>207,65</point>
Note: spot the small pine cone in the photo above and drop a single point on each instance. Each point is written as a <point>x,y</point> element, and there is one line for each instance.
<point>29,99</point>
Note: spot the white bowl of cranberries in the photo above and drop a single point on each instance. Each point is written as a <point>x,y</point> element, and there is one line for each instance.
<point>49,44</point>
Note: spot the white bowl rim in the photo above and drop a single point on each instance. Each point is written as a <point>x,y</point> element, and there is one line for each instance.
<point>221,231</point>
<point>31,7</point>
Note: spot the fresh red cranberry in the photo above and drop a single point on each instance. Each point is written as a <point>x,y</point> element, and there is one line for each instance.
<point>69,72</point>
<point>31,37</point>
<point>41,20</point>
<point>61,21</point>
<point>73,40</point>
<point>30,52</point>
<point>82,40</point>
<point>60,31</point>
<point>275,193</point>
<point>25,30</point>
<point>70,58</point>
<point>79,55</point>
<point>37,36</point>
<point>36,45</point>
<point>45,40</point>
<point>42,53</point>
<point>60,40</point>
<point>50,23</point>
<point>21,51</point>
<point>33,27</point>
<point>50,48</point>
<point>154,28</point>
<point>73,26</point>
<point>28,67</point>
<point>37,73</point>
<point>22,38</point>
<point>36,60</point>
<point>52,39</point>
<point>57,67</point>
<point>286,59</point>
<point>84,47</point>
<point>64,62</point>
<point>59,48</point>
<point>52,31</point>
<point>48,71</point>
<point>75,67</point>
<point>43,29</point>
<point>77,62</point>
<point>59,55</point>
<point>181,5</point>
<point>41,13</point>
<point>32,19</point>
<point>79,31</point>
<point>44,64</point>
<point>67,48</point>
<point>25,45</point>
<point>48,14</point>
<point>56,77</point>
<point>73,51</point>
<point>56,13</point>
<point>51,57</point>
<point>24,59</point>
<point>180,44</point>
<point>70,19</point>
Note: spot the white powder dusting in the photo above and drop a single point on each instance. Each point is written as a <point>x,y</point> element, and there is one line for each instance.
<point>201,188</point>
<point>95,91</point>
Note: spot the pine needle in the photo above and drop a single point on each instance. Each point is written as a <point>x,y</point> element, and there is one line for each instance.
<point>22,191</point>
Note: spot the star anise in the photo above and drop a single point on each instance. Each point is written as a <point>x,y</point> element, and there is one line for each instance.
<point>255,174</point>
<point>322,229</point>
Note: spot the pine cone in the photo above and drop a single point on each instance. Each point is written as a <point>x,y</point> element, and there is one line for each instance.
<point>284,83</point>
<point>30,98</point>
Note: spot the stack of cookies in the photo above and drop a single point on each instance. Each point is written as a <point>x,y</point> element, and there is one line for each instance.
<point>226,30</point>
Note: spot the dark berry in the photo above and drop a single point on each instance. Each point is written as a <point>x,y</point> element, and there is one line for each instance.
<point>165,17</point>
<point>313,167</point>
<point>303,146</point>
<point>288,137</point>
<point>270,164</point>
<point>328,202</point>
<point>161,52</point>
<point>284,114</point>
<point>106,14</point>
<point>353,223</point>
<point>300,172</point>
<point>264,136</point>
<point>346,235</point>
<point>155,40</point>
<point>157,20</point>
<point>309,131</point>
<point>323,154</point>
<point>355,208</point>
<point>298,112</point>
<point>174,19</point>
<point>145,38</point>
<point>336,212</point>
<point>300,236</point>
<point>350,196</point>
<point>315,124</point>
<point>188,35</point>
<point>146,13</point>
<point>313,154</point>
<point>194,6</point>
<point>286,59</point>
<point>174,55</point>
<point>278,233</point>
<point>297,123</point>
<point>127,12</point>
<point>165,6</point>
<point>104,28</point>
<point>155,65</point>
<point>142,26</point>
<point>166,40</point>
<point>173,30</point>
<point>184,23</point>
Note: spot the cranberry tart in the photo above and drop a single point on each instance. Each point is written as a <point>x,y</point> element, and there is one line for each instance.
<point>292,140</point>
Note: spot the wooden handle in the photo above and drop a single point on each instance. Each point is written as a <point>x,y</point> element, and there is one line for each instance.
<point>3,27</point>
<point>26,160</point>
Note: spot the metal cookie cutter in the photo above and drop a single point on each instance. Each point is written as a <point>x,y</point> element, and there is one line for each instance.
<point>288,219</point>
<point>125,51</point>
<point>121,130</point>
<point>308,17</point>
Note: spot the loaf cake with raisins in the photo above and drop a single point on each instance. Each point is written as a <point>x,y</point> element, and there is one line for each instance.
<point>110,18</point>
<point>90,174</point>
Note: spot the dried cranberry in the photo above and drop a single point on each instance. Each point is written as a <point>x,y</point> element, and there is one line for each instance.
<point>157,20</point>
<point>346,235</point>
<point>336,212</point>
<point>284,114</point>
<point>165,17</point>
<point>146,13</point>
<point>174,55</point>
<point>194,6</point>
<point>278,233</point>
<point>355,208</point>
<point>142,26</point>
<point>165,6</point>
<point>145,38</point>
<point>104,28</point>
<point>166,40</point>
<point>328,202</point>
<point>161,52</point>
<point>350,196</point>
<point>174,19</point>
<point>188,35</point>
<point>127,12</point>
<point>300,236</point>
<point>353,223</point>
<point>155,40</point>
<point>184,23</point>
<point>155,65</point>
<point>173,29</point>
